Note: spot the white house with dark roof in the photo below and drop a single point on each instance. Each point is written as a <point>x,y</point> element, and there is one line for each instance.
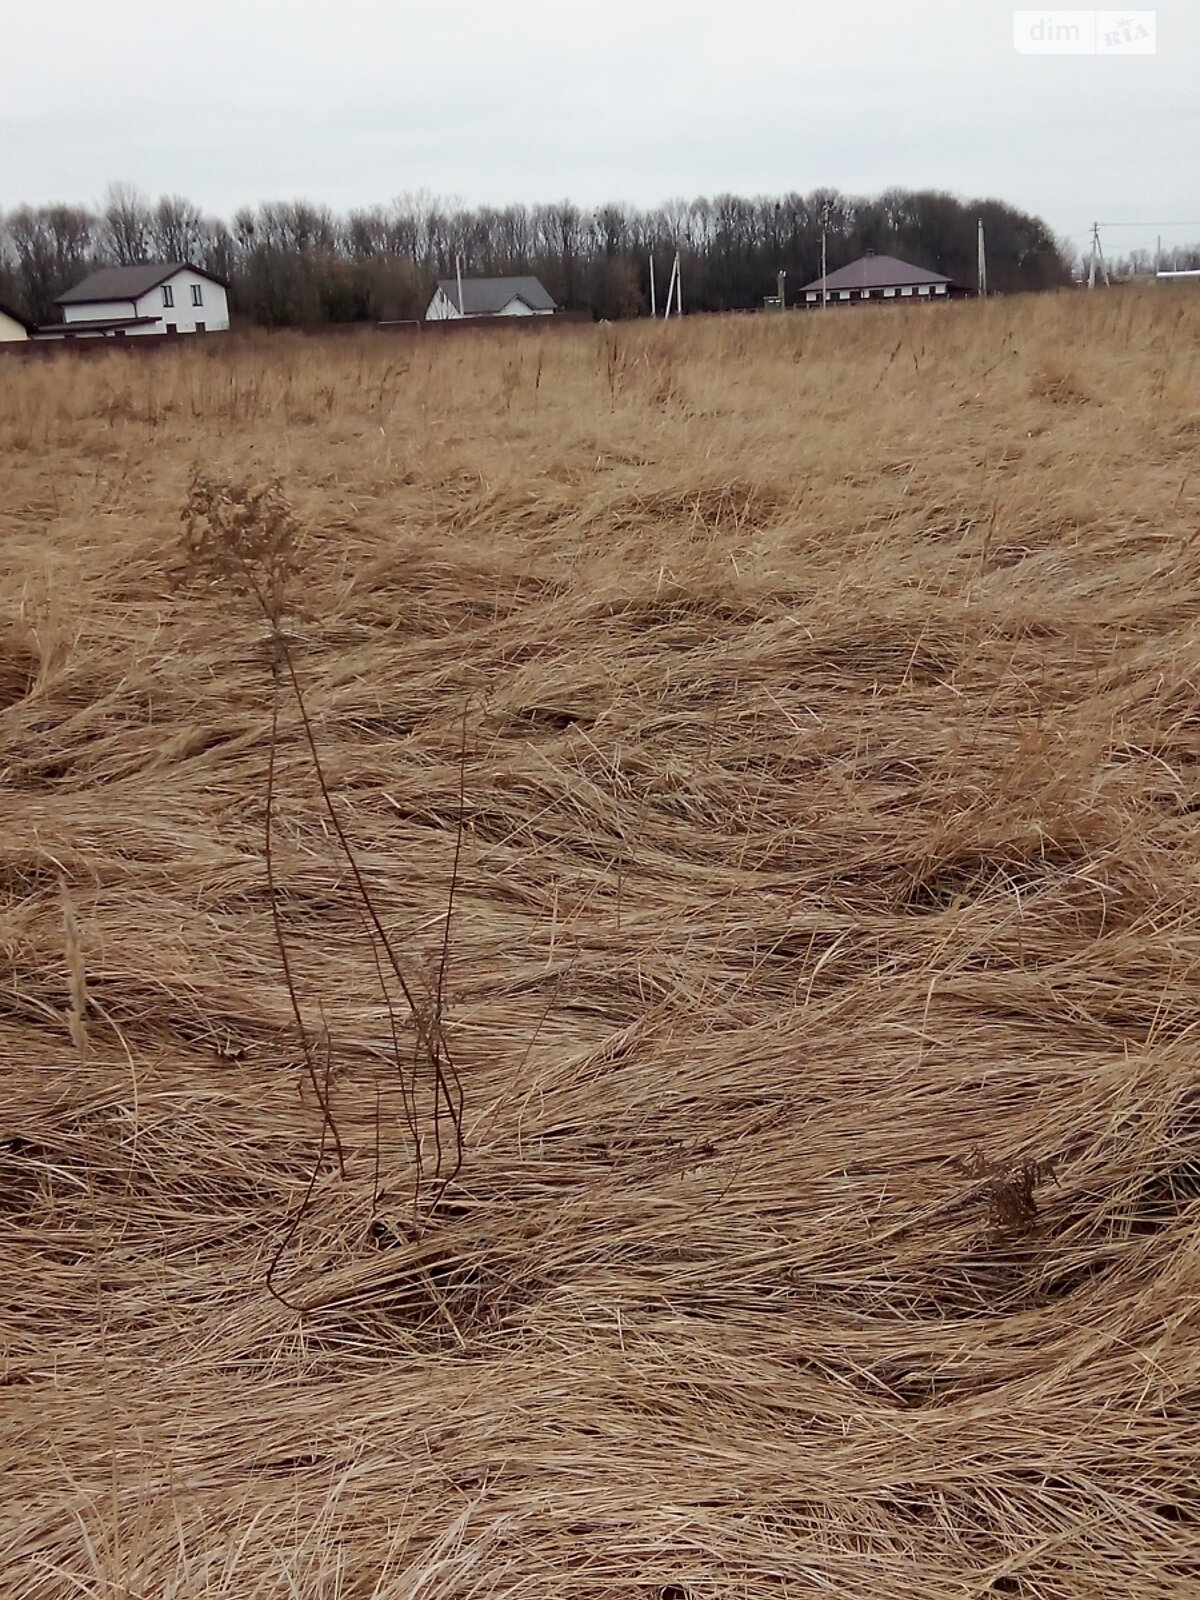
<point>880,278</point>
<point>13,327</point>
<point>489,297</point>
<point>154,297</point>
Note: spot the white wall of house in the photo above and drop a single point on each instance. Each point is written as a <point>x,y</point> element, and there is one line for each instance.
<point>11,331</point>
<point>924,289</point>
<point>183,314</point>
<point>100,310</point>
<point>442,308</point>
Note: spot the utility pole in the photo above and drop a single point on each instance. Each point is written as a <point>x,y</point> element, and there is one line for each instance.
<point>1096,256</point>
<point>824,275</point>
<point>653,301</point>
<point>673,291</point>
<point>462,310</point>
<point>983,288</point>
<point>782,282</point>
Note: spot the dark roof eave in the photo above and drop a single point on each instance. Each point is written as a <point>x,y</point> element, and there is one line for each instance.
<point>85,325</point>
<point>948,283</point>
<point>103,299</point>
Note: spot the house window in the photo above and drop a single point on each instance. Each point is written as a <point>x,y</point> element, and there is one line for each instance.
<point>843,294</point>
<point>889,294</point>
<point>866,294</point>
<point>168,295</point>
<point>924,289</point>
<point>939,288</point>
<point>197,295</point>
<point>810,297</point>
<point>906,291</point>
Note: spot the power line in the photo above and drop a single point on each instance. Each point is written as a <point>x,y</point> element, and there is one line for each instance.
<point>1148,224</point>
<point>1085,231</point>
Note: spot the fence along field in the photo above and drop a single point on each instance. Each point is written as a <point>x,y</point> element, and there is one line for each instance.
<point>797,719</point>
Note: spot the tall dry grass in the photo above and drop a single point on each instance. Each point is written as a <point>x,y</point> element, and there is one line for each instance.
<point>813,707</point>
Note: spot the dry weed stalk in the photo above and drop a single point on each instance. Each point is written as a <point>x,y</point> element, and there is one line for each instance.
<point>76,973</point>
<point>247,537</point>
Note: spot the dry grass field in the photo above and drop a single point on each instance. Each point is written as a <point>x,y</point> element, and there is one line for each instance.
<point>734,813</point>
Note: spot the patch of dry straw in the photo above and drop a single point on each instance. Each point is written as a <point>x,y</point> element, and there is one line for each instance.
<point>812,706</point>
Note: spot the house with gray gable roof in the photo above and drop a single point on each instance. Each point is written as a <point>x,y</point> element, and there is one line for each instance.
<point>489,297</point>
<point>151,297</point>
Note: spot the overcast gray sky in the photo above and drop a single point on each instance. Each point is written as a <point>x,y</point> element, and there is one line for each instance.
<point>236,101</point>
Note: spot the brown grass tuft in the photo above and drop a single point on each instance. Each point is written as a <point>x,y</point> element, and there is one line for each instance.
<point>1057,380</point>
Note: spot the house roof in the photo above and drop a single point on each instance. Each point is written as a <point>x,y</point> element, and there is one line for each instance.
<point>875,272</point>
<point>483,297</point>
<point>90,325</point>
<point>128,283</point>
<point>16,317</point>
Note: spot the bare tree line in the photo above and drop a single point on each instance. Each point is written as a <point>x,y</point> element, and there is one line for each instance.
<point>296,262</point>
<point>1176,258</point>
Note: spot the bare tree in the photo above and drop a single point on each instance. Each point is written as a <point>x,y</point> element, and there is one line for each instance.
<point>177,229</point>
<point>53,246</point>
<point>127,224</point>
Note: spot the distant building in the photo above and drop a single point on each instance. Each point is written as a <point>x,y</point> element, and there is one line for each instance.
<point>880,278</point>
<point>13,327</point>
<point>157,297</point>
<point>489,297</point>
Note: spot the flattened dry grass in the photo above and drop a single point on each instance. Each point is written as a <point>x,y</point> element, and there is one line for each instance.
<point>823,975</point>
